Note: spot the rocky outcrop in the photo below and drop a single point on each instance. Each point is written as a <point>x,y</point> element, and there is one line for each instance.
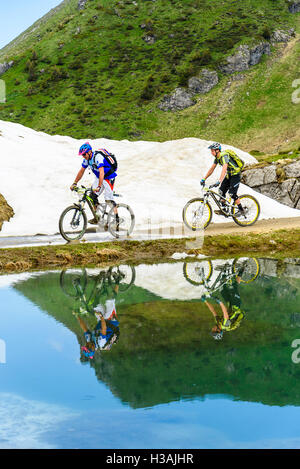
<point>183,98</point>
<point>245,57</point>
<point>6,212</point>
<point>203,83</point>
<point>5,66</point>
<point>294,7</point>
<point>282,36</point>
<point>288,268</point>
<point>277,180</point>
<point>180,99</point>
<point>81,4</point>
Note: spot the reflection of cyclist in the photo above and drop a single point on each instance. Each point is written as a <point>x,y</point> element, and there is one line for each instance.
<point>104,166</point>
<point>230,178</point>
<point>230,302</point>
<point>106,331</point>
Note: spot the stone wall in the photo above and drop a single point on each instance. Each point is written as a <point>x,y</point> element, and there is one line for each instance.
<point>279,180</point>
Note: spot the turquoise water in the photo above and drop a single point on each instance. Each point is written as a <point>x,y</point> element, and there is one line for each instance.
<point>165,382</point>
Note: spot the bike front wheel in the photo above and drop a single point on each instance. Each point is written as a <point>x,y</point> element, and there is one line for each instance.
<point>246,268</point>
<point>197,214</point>
<point>72,223</point>
<point>121,226</point>
<point>197,273</point>
<point>251,208</point>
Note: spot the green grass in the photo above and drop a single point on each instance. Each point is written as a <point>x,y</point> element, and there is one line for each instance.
<point>107,82</point>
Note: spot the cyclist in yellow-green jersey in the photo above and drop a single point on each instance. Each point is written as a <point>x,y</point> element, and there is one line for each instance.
<point>230,178</point>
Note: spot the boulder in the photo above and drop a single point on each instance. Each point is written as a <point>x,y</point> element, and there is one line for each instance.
<point>282,36</point>
<point>81,4</point>
<point>6,211</point>
<point>253,177</point>
<point>245,57</point>
<point>5,66</point>
<point>293,170</point>
<point>279,192</point>
<point>269,174</point>
<point>294,7</point>
<point>204,82</point>
<point>258,51</point>
<point>150,38</point>
<point>180,99</point>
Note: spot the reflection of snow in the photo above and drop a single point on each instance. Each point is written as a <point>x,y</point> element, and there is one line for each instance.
<point>24,422</point>
<point>156,179</point>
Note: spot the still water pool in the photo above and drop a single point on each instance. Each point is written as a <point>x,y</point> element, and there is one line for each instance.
<point>204,354</point>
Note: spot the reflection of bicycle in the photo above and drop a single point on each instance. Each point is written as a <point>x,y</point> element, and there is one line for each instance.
<point>197,213</point>
<point>77,284</point>
<point>73,220</point>
<point>200,273</point>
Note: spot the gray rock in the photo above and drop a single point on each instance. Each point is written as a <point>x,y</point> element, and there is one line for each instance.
<point>258,51</point>
<point>245,57</point>
<point>253,177</point>
<point>282,36</point>
<point>204,82</point>
<point>294,7</point>
<point>279,192</point>
<point>293,170</point>
<point>268,267</point>
<point>180,99</point>
<point>150,38</point>
<point>81,4</point>
<point>270,174</point>
<point>5,66</point>
<point>237,62</point>
<point>295,191</point>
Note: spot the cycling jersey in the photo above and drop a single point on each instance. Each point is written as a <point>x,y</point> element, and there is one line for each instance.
<point>235,164</point>
<point>95,163</point>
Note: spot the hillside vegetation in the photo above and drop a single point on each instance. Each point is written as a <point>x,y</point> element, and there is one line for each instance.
<point>102,71</point>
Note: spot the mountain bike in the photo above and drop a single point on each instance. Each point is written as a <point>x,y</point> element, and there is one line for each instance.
<point>197,213</point>
<point>80,286</point>
<point>200,272</point>
<point>73,220</point>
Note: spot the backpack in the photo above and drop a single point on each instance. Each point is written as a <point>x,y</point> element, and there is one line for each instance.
<point>110,159</point>
<point>236,163</point>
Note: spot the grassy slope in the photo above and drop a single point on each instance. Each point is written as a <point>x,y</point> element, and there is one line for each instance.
<point>106,81</point>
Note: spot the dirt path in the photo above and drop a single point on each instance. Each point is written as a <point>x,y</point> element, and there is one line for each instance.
<point>261,226</point>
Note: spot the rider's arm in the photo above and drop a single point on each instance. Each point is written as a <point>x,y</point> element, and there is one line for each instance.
<point>223,173</point>
<point>224,311</point>
<point>210,171</point>
<point>82,324</point>
<point>101,176</point>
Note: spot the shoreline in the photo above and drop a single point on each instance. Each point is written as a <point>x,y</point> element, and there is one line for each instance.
<point>276,244</point>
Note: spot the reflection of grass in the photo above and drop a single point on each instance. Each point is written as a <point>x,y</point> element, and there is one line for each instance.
<point>279,244</point>
<point>166,353</point>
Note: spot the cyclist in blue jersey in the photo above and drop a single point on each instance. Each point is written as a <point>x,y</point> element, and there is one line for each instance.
<point>104,166</point>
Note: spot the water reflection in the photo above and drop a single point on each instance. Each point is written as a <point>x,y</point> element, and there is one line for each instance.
<point>177,331</point>
<point>96,310</point>
<point>223,289</point>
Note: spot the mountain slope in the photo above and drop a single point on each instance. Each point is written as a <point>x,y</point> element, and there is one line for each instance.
<point>101,71</point>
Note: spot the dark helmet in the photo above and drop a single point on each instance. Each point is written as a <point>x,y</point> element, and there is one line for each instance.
<point>215,146</point>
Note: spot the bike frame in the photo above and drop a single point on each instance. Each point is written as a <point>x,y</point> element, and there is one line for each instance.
<point>87,199</point>
<point>218,199</point>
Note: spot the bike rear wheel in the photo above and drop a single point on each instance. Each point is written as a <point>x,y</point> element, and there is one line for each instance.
<point>122,227</point>
<point>252,210</point>
<point>124,276</point>
<point>196,214</point>
<point>72,223</point>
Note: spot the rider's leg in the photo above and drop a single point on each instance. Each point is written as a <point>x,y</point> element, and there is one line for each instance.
<point>109,196</point>
<point>234,186</point>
